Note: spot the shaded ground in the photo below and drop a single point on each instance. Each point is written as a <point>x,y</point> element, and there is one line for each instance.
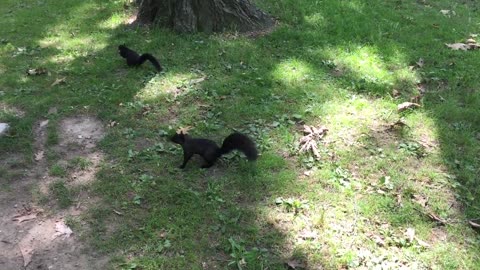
<point>37,236</point>
<point>380,195</point>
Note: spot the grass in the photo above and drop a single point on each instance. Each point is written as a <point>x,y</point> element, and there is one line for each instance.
<point>61,193</point>
<point>331,63</point>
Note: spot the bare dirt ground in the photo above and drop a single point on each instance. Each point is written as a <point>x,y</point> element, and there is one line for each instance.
<point>36,236</point>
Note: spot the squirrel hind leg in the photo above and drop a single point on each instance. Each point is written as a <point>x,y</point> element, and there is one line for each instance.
<point>207,165</point>
<point>210,158</point>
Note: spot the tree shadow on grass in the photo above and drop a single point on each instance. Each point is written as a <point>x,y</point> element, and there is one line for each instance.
<point>268,79</point>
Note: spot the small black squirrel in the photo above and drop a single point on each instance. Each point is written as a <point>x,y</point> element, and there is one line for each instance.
<point>134,59</point>
<point>210,151</point>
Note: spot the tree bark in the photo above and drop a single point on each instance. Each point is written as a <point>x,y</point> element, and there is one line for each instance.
<point>204,15</point>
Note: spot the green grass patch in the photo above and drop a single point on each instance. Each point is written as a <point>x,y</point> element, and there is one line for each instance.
<point>365,200</point>
<point>61,193</point>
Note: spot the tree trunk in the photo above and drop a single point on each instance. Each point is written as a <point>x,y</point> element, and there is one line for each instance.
<point>203,15</point>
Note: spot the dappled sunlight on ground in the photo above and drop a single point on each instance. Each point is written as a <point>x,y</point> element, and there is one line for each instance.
<point>293,72</point>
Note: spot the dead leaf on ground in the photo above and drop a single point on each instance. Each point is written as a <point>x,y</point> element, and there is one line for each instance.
<point>447,12</point>
<point>420,63</point>
<point>399,199</point>
<point>39,155</point>
<point>62,229</point>
<point>199,80</point>
<point>400,123</point>
<point>36,71</point>
<point>377,239</point>
<point>463,46</point>
<point>410,234</point>
<point>307,234</point>
<point>395,93</point>
<point>420,199</point>
<point>59,81</point>
<point>311,136</point>
<point>24,217</point>
<point>422,88</point>
<point>26,253</point>
<point>337,72</point>
<point>416,99</point>
<point>407,105</point>
<point>422,243</point>
<point>145,110</point>
<point>295,264</point>
<point>184,130</point>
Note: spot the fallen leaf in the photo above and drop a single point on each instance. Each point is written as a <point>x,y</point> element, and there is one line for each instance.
<point>295,264</point>
<point>199,80</point>
<point>400,123</point>
<point>58,81</point>
<point>39,156</point>
<point>422,200</point>
<point>422,88</point>
<point>458,46</point>
<point>117,212</point>
<point>22,218</point>
<point>307,234</point>
<point>395,93</point>
<point>62,229</point>
<point>470,41</point>
<point>416,99</point>
<point>462,46</point>
<point>407,105</point>
<point>399,199</point>
<point>36,71</point>
<point>307,173</point>
<point>378,240</point>
<point>26,254</point>
<point>309,141</point>
<point>410,234</point>
<point>447,12</point>
<point>184,130</point>
<point>420,63</point>
<point>422,243</point>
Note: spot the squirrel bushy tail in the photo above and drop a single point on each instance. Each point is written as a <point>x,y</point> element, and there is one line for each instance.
<point>238,141</point>
<point>146,56</point>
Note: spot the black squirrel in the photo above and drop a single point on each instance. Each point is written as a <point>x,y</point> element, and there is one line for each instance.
<point>210,151</point>
<point>134,59</point>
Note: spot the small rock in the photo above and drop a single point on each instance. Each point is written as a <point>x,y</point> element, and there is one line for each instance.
<point>4,127</point>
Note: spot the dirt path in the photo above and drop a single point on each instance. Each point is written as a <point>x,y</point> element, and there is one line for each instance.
<point>36,238</point>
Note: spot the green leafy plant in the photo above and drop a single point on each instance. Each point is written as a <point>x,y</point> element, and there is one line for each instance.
<point>292,204</point>
<point>412,148</point>
<point>242,258</point>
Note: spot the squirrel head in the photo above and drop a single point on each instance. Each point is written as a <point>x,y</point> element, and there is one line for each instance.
<point>178,138</point>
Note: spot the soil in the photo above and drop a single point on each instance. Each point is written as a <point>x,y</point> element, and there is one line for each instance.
<point>36,238</point>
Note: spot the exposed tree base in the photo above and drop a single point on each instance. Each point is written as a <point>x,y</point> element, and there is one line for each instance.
<point>204,15</point>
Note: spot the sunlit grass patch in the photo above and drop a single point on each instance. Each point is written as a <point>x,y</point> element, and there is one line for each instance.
<point>344,65</point>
